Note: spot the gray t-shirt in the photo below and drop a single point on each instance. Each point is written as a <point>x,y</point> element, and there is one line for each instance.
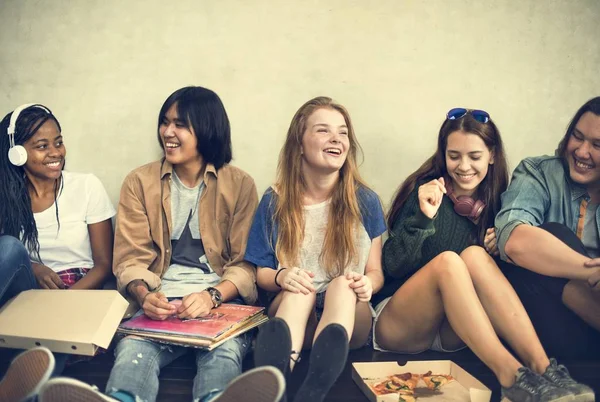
<point>190,270</point>
<point>590,231</point>
<point>315,227</point>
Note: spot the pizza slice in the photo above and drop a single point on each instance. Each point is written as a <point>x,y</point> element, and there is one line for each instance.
<point>397,383</point>
<point>384,387</point>
<point>406,397</point>
<point>406,381</point>
<point>436,381</point>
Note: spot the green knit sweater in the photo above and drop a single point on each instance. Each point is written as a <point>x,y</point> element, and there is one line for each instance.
<point>415,240</point>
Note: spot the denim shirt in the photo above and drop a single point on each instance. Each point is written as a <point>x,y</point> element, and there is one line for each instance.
<point>541,191</point>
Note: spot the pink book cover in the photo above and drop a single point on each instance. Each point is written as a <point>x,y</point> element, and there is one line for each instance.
<point>219,321</point>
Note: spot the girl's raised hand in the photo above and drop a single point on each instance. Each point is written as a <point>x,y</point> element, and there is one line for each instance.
<point>430,196</point>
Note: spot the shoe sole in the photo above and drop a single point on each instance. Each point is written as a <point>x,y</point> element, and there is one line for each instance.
<point>262,384</point>
<point>588,397</point>
<point>26,374</point>
<point>327,360</point>
<point>273,345</point>
<point>67,389</point>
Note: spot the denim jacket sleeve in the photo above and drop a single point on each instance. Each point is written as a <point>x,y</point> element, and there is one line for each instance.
<point>525,201</point>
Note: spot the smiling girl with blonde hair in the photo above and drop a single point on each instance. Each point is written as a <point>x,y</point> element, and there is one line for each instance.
<point>316,240</point>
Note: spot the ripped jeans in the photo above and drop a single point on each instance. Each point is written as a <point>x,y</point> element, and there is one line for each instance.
<point>138,363</point>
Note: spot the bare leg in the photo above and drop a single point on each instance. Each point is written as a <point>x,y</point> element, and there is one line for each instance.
<point>340,306</point>
<point>504,308</point>
<point>583,301</point>
<point>295,309</point>
<point>363,320</point>
<point>331,341</point>
<point>413,316</point>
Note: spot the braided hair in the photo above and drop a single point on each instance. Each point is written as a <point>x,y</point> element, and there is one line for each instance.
<point>16,215</point>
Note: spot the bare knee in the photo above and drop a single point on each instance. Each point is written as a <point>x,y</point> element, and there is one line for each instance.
<point>473,254</point>
<point>475,258</point>
<point>340,285</point>
<point>447,264</point>
<point>340,281</point>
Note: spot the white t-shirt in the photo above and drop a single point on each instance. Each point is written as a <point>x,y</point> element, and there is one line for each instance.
<point>83,201</point>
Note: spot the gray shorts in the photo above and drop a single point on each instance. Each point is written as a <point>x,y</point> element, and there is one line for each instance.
<point>436,345</point>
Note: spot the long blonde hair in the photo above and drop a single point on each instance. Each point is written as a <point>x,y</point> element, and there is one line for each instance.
<point>339,248</point>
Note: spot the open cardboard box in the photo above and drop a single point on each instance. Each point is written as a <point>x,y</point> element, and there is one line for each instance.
<point>69,321</point>
<point>370,373</point>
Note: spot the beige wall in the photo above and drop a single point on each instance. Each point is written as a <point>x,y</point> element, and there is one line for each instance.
<point>105,67</point>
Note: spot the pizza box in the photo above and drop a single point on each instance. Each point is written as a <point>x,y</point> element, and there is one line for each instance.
<point>67,321</point>
<point>465,388</point>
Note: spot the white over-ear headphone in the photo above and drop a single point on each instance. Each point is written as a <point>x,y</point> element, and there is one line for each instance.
<point>17,154</point>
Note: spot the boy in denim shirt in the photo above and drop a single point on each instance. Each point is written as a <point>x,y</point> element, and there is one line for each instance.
<point>549,224</point>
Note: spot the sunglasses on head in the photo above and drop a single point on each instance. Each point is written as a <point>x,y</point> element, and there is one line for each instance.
<point>458,112</point>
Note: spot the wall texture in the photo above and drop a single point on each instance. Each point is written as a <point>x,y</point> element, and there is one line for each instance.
<point>105,67</point>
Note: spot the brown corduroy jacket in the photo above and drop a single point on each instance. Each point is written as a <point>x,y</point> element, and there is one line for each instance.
<point>143,229</point>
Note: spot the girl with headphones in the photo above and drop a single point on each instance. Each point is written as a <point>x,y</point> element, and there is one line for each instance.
<point>443,288</point>
<point>62,218</point>
<point>55,225</point>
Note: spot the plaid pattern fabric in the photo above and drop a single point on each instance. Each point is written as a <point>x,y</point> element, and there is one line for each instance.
<point>70,276</point>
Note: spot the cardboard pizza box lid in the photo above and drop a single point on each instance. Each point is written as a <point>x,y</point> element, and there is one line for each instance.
<point>67,321</point>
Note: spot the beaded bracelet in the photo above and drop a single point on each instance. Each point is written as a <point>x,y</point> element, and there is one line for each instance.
<point>276,275</point>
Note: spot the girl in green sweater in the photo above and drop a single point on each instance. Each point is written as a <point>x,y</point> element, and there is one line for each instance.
<point>446,289</point>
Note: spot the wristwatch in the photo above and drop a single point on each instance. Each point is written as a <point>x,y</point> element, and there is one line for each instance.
<point>215,295</point>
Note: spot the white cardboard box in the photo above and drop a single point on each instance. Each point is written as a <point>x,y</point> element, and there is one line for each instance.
<point>365,373</point>
<point>68,321</point>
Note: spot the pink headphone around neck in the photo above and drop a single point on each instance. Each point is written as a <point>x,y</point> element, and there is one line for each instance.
<point>463,204</point>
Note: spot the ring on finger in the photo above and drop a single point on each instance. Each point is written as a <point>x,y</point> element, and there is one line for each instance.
<point>297,271</point>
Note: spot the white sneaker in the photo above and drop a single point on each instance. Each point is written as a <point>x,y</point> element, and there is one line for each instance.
<point>26,374</point>
<point>261,384</point>
<point>64,389</point>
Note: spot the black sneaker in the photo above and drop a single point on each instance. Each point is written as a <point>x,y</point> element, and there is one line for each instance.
<point>558,375</point>
<point>327,360</point>
<point>274,346</point>
<point>532,387</point>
